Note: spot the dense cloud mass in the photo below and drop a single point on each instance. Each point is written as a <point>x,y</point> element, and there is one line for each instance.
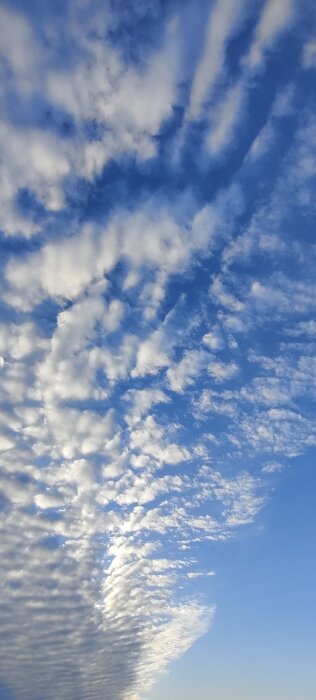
<point>157,331</point>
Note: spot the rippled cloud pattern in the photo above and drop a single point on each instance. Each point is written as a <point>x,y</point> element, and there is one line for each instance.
<point>158,332</point>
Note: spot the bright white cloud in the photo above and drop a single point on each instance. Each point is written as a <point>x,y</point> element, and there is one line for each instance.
<point>222,371</point>
<point>274,19</point>
<point>223,118</point>
<point>157,336</point>
<point>128,105</point>
<point>224,20</point>
<point>184,374</point>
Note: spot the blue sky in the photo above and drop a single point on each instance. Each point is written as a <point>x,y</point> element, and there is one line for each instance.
<point>157,349</point>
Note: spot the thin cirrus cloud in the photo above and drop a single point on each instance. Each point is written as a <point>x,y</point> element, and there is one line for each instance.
<point>155,344</point>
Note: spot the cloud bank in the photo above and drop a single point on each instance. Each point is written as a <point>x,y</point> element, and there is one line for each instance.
<point>157,321</point>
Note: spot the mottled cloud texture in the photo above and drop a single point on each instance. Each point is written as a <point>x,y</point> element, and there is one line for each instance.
<point>157,320</point>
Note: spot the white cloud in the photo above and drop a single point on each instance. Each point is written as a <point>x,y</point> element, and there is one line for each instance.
<point>187,370</point>
<point>309,54</point>
<point>129,105</point>
<point>275,18</point>
<point>19,47</point>
<point>284,434</point>
<point>150,440</point>
<point>211,401</point>
<point>263,142</point>
<point>307,328</point>
<point>152,355</point>
<point>226,111</point>
<point>224,117</point>
<point>198,574</point>
<point>75,432</point>
<point>142,400</point>
<point>34,160</point>
<point>114,402</point>
<point>149,236</point>
<point>63,269</point>
<point>70,367</point>
<point>224,20</point>
<point>213,339</point>
<point>239,496</point>
<point>224,297</point>
<point>222,371</point>
<point>279,294</point>
<point>272,467</point>
<point>20,340</point>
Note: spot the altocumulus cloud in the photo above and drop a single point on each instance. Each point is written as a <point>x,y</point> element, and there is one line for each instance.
<point>156,344</point>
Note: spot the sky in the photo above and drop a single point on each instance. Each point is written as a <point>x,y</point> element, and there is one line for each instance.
<point>157,349</point>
